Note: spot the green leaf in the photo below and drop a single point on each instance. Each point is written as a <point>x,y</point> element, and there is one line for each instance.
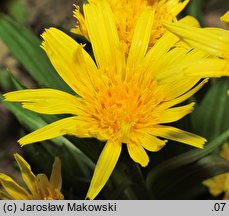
<point>25,46</point>
<point>210,117</point>
<point>186,182</point>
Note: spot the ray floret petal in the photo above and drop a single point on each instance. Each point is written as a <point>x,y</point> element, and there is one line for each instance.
<point>225,17</point>
<point>212,40</point>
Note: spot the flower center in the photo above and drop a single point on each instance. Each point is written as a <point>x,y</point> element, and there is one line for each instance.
<point>123,108</point>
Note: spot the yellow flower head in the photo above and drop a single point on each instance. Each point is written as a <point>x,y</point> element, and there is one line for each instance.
<point>127,12</point>
<point>38,187</point>
<point>122,100</point>
<point>220,183</point>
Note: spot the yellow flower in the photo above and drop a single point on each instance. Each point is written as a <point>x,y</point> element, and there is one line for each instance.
<point>39,187</point>
<point>127,12</point>
<point>220,183</point>
<point>122,100</point>
<point>225,17</point>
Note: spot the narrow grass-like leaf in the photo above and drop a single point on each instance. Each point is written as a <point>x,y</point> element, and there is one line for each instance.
<point>211,117</point>
<point>25,46</point>
<point>182,183</point>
